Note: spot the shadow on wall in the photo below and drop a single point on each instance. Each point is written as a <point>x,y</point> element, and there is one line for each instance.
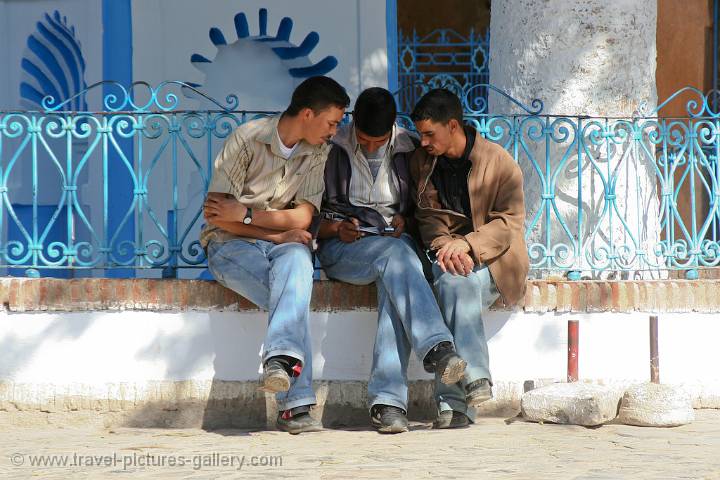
<point>238,404</point>
<point>232,344</point>
<point>186,347</point>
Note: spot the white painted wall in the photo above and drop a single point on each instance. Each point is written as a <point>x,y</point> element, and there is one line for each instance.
<point>166,33</point>
<point>4,54</point>
<point>89,351</point>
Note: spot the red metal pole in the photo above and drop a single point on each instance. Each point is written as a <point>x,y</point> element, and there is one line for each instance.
<point>573,350</point>
<point>654,355</point>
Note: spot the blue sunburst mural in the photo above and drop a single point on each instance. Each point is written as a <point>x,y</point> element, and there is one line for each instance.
<point>262,70</point>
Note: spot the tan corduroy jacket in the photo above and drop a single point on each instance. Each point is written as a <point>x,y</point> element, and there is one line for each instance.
<point>497,202</point>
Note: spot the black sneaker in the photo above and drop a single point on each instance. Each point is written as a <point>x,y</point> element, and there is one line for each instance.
<point>298,420</point>
<point>451,419</point>
<point>388,419</point>
<point>478,392</point>
<point>443,360</point>
<point>276,376</point>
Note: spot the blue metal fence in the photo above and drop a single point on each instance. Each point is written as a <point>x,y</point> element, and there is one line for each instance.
<point>605,196</point>
<point>443,57</point>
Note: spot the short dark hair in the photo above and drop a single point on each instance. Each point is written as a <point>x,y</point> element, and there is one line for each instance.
<point>317,93</point>
<point>375,112</point>
<point>439,105</point>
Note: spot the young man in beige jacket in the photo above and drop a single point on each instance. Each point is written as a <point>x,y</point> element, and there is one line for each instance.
<point>471,214</point>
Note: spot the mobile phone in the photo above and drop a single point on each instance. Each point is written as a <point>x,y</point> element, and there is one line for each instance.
<point>377,231</point>
<point>369,230</point>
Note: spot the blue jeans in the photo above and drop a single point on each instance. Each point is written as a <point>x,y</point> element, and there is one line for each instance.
<point>279,279</point>
<point>462,301</point>
<point>408,314</point>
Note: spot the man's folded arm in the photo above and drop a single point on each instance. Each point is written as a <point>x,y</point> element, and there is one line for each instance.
<point>283,220</point>
<point>249,231</point>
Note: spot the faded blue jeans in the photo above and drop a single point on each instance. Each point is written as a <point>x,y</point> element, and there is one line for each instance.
<point>279,279</point>
<point>408,315</point>
<point>462,301</point>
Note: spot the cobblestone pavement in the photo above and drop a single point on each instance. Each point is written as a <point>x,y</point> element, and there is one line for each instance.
<point>492,448</point>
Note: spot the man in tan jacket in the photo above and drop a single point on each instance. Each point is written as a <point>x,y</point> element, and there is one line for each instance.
<point>471,213</point>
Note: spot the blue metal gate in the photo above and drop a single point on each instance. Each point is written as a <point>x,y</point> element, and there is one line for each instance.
<point>444,58</point>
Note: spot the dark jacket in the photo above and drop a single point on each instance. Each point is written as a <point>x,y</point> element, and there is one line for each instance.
<point>338,171</point>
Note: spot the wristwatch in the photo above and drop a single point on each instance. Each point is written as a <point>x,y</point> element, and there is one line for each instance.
<point>248,217</point>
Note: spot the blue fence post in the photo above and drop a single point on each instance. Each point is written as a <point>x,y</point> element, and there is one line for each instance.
<point>575,273</point>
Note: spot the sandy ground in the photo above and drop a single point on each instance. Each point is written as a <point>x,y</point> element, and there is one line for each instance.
<point>492,448</point>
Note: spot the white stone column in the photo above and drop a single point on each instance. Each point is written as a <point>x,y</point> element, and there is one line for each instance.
<point>581,58</point>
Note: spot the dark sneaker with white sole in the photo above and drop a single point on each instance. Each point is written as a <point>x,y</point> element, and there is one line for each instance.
<point>478,392</point>
<point>451,419</point>
<point>276,375</point>
<point>298,420</point>
<point>388,419</point>
<point>443,360</point>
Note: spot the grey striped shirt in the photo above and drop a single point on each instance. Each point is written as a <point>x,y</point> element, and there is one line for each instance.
<point>380,192</point>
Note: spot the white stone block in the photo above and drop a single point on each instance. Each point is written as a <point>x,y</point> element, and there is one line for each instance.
<point>653,405</point>
<point>571,403</point>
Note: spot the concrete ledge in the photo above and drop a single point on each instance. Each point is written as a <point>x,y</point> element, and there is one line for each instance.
<point>622,296</point>
<point>220,404</point>
<point>57,295</point>
<point>209,405</point>
<point>195,368</point>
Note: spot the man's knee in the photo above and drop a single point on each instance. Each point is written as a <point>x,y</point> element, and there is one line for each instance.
<point>295,254</point>
<point>398,254</point>
<point>448,284</point>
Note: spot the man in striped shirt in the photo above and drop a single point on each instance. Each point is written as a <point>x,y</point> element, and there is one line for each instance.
<point>267,183</point>
<point>367,193</point>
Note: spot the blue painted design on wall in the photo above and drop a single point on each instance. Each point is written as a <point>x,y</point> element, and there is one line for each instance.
<point>293,57</point>
<point>53,65</point>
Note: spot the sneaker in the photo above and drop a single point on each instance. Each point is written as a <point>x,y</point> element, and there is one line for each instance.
<point>275,377</point>
<point>298,420</point>
<point>449,367</point>
<point>451,419</point>
<point>478,392</point>
<point>388,419</point>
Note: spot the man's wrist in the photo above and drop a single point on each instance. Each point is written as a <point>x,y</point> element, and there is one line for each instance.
<point>336,228</point>
<point>248,216</point>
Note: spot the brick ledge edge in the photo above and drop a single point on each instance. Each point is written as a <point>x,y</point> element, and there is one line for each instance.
<point>101,294</point>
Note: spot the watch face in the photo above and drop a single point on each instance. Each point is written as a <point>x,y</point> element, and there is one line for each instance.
<point>247,220</point>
